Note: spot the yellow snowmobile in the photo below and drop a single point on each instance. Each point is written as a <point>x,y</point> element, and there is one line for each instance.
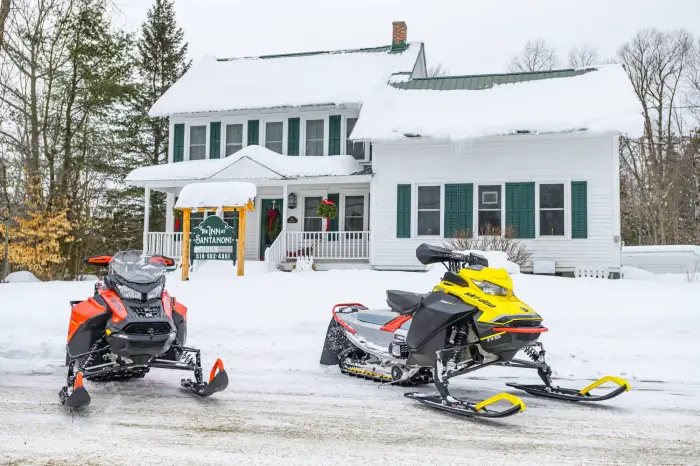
<point>470,320</point>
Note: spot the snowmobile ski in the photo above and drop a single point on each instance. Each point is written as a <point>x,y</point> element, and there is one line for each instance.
<point>468,408</point>
<point>568,394</point>
<point>218,381</point>
<point>79,398</point>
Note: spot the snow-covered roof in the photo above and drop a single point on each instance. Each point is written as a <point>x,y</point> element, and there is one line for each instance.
<point>600,100</point>
<point>251,162</point>
<point>221,194</point>
<point>319,78</point>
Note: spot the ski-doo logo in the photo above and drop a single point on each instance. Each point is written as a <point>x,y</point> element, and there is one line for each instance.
<point>481,300</point>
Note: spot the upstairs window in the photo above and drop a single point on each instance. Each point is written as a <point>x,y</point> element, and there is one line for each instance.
<point>234,139</point>
<point>273,136</point>
<point>198,142</point>
<point>429,211</point>
<point>490,210</point>
<point>356,149</point>
<point>551,210</point>
<point>314,137</point>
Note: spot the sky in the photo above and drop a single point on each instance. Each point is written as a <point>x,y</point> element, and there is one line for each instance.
<point>466,36</point>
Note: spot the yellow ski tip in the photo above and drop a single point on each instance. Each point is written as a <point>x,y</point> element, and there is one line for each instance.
<point>620,381</point>
<point>501,396</point>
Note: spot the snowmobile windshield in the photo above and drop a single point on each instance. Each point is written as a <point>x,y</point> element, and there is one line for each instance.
<point>135,267</point>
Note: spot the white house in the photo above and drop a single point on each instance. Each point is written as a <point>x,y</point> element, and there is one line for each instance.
<point>406,158</point>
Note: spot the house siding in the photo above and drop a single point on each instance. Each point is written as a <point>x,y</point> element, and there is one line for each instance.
<point>514,159</point>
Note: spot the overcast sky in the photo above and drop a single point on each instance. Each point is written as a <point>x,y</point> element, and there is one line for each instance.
<point>467,36</point>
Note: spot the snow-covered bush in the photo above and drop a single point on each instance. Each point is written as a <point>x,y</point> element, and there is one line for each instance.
<point>21,277</point>
<point>490,239</point>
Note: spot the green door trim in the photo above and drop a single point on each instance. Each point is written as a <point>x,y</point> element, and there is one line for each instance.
<point>264,205</point>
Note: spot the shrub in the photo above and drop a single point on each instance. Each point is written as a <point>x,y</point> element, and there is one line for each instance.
<point>491,239</point>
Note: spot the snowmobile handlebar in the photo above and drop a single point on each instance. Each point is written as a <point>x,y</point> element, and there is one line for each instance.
<point>452,260</point>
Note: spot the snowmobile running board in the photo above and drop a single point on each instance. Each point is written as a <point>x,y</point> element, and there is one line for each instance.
<point>569,394</point>
<point>466,408</point>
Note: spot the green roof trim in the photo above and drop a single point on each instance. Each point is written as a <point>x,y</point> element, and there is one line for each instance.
<point>479,82</point>
<point>381,49</point>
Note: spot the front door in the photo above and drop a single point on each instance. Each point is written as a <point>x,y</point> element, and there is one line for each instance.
<point>271,223</point>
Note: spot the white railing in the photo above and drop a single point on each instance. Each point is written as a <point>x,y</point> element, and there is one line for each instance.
<point>328,245</point>
<point>166,244</point>
<point>275,254</point>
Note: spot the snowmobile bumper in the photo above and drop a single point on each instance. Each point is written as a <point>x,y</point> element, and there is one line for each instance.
<point>569,394</point>
<point>467,408</point>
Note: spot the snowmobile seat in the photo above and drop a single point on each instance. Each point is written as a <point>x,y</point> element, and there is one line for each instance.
<point>376,317</point>
<point>404,302</point>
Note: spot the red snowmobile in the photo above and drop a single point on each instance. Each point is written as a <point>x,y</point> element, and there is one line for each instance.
<point>130,325</point>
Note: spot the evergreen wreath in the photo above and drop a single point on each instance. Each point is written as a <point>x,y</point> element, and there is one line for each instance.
<point>327,209</point>
<point>273,224</point>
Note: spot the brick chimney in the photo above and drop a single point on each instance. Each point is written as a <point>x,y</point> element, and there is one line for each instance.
<point>399,36</point>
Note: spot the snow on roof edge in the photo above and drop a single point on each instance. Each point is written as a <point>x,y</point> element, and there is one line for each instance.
<point>218,194</point>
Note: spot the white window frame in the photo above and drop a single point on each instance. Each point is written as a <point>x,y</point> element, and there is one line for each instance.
<point>341,208</point>
<point>414,209</point>
<point>197,122</point>
<point>304,195</point>
<point>344,129</point>
<point>263,132</point>
<point>326,119</point>
<point>230,121</point>
<point>567,210</point>
<point>475,220</point>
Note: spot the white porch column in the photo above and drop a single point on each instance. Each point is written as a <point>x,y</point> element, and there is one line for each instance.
<point>146,217</point>
<point>284,203</point>
<point>169,215</point>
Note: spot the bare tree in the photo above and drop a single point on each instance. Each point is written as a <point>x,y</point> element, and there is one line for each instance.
<point>5,6</point>
<point>437,71</point>
<point>537,55</point>
<point>657,63</point>
<point>583,56</point>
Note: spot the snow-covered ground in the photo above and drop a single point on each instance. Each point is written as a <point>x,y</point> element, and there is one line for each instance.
<point>282,407</point>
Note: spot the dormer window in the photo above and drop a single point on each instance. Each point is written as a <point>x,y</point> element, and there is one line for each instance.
<point>198,142</point>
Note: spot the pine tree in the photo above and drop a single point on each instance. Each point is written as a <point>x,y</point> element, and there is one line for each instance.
<point>162,60</point>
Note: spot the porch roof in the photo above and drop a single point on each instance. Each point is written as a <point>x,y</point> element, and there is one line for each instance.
<point>249,164</point>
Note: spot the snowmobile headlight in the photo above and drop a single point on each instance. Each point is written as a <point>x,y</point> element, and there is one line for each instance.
<point>490,288</point>
<point>155,292</point>
<point>128,293</point>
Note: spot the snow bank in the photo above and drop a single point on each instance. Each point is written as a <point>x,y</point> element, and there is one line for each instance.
<point>673,259</point>
<point>333,78</point>
<point>220,194</point>
<point>21,277</point>
<point>270,165</point>
<point>598,101</point>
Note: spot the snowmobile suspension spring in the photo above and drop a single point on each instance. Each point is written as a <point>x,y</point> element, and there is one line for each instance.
<point>459,340</point>
<point>532,353</point>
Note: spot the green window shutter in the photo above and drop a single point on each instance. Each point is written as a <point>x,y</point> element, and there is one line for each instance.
<point>253,132</point>
<point>579,209</point>
<point>334,135</point>
<point>403,211</point>
<point>459,208</point>
<point>179,142</point>
<point>333,225</point>
<point>215,140</point>
<point>293,136</point>
<point>527,210</point>
<point>520,208</point>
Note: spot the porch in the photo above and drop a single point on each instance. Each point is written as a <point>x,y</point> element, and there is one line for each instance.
<point>328,249</point>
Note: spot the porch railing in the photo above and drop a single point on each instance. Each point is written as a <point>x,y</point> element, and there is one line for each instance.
<point>276,253</point>
<point>166,244</point>
<point>328,245</point>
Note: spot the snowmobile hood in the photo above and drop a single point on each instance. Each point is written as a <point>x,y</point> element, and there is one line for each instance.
<point>499,277</point>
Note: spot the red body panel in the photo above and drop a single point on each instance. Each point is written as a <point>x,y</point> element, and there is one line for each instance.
<point>395,324</point>
<point>81,312</point>
<point>182,310</point>
<point>114,302</point>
